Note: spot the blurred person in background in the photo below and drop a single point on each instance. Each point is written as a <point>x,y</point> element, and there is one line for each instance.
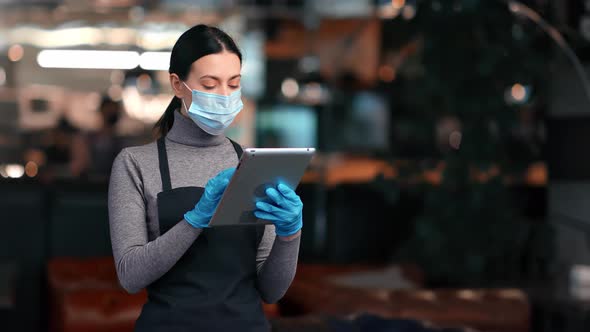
<point>74,154</point>
<point>103,145</point>
<point>162,196</point>
<point>65,153</point>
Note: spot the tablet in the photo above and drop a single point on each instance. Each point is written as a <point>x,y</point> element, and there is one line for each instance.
<point>258,170</point>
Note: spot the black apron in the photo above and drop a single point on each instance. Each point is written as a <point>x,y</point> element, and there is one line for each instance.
<point>213,285</point>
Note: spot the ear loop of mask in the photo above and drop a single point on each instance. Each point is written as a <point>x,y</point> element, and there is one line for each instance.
<point>186,108</point>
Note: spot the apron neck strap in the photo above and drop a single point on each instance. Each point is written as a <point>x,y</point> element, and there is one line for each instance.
<point>163,159</point>
<point>237,147</point>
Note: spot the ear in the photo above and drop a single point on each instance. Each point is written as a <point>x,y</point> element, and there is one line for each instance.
<point>176,84</point>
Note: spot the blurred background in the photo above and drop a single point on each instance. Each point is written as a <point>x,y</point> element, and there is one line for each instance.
<point>450,186</point>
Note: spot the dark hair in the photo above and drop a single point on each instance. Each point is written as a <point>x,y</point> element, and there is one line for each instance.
<point>195,43</point>
<point>110,118</point>
<point>106,100</point>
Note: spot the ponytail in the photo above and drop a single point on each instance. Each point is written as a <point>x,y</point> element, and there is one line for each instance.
<point>165,123</point>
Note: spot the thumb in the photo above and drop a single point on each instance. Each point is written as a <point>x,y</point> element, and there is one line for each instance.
<point>227,173</point>
<point>215,191</point>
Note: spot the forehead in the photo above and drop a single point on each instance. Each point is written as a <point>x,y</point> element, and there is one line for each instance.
<point>222,65</point>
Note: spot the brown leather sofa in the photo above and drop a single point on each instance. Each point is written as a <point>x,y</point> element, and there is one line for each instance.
<point>84,295</point>
<point>314,292</point>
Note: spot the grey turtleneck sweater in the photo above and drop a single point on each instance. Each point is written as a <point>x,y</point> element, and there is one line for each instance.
<point>142,254</point>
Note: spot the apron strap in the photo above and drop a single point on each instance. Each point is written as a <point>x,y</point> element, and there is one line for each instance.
<point>164,170</point>
<point>237,147</point>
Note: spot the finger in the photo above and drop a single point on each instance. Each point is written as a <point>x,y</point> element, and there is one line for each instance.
<point>205,207</point>
<point>266,216</point>
<point>269,208</point>
<point>216,189</point>
<point>223,175</point>
<point>288,193</point>
<point>265,207</point>
<point>275,196</point>
<point>223,185</point>
<point>227,173</point>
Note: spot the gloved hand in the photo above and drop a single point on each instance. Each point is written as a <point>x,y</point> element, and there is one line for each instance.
<point>200,216</point>
<point>285,210</point>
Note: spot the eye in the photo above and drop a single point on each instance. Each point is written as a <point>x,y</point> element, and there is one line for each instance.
<point>235,84</point>
<point>208,83</point>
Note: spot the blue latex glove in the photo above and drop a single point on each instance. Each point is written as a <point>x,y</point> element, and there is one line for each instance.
<point>285,210</point>
<point>200,216</point>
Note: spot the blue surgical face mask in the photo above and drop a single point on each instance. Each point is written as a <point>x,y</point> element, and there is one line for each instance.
<point>212,112</point>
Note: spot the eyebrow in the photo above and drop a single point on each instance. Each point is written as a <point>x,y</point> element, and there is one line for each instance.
<point>217,78</point>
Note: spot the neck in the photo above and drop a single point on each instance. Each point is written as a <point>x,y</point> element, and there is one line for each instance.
<point>185,131</point>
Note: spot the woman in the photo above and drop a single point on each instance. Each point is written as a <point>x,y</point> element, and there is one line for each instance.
<point>162,196</point>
